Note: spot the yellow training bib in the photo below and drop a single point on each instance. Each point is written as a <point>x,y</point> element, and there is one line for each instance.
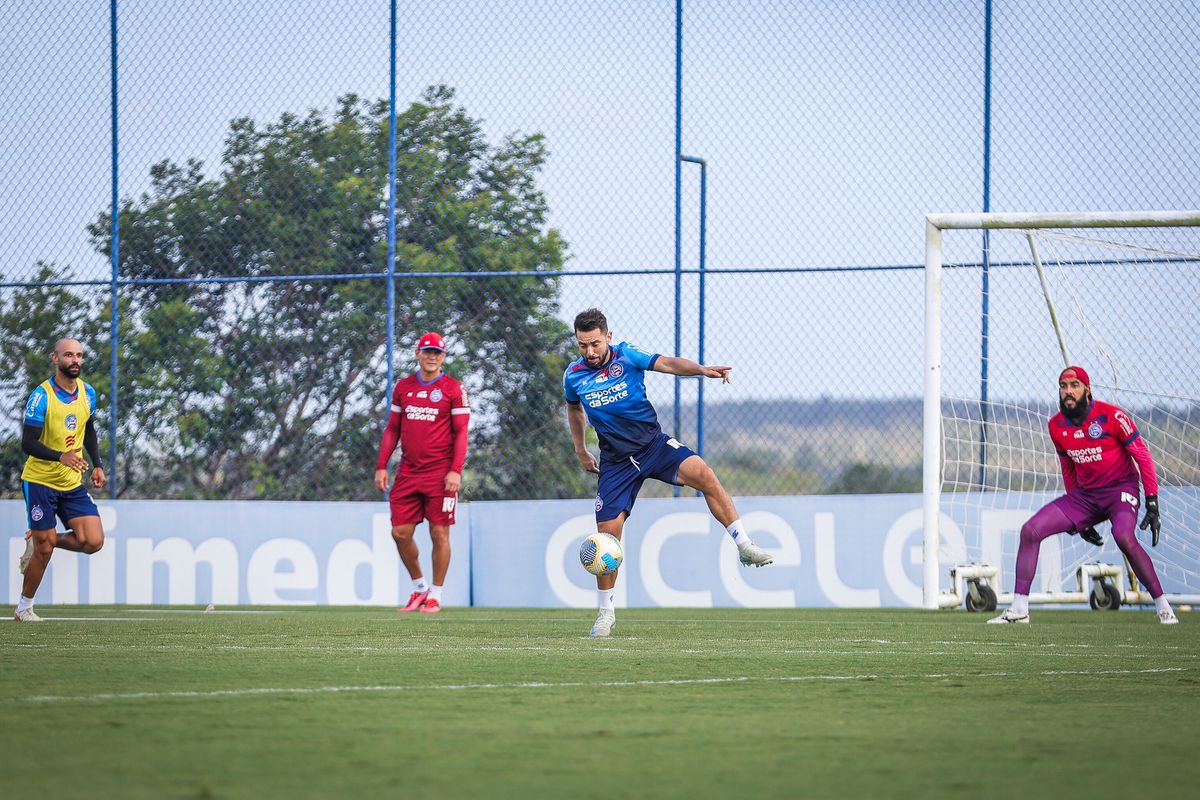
<point>63,430</point>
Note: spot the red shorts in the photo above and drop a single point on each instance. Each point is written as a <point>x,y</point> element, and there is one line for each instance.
<point>418,497</point>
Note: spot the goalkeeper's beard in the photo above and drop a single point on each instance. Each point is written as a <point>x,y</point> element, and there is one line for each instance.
<point>1079,412</point>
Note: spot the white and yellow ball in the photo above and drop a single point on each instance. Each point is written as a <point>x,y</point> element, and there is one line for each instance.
<point>601,554</point>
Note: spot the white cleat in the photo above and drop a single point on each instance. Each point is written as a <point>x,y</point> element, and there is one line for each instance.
<point>605,622</point>
<point>1167,617</point>
<point>1009,616</point>
<point>27,556</point>
<point>754,556</point>
<point>27,615</point>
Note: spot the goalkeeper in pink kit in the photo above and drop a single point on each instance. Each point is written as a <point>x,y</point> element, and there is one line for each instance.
<point>1102,456</point>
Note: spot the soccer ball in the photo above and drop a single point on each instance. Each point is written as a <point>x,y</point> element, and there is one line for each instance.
<point>601,554</point>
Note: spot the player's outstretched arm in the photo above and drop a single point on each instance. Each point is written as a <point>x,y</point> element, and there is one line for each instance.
<point>685,367</point>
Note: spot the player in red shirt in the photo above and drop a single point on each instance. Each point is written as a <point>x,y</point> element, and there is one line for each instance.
<point>429,419</point>
<point>1098,447</point>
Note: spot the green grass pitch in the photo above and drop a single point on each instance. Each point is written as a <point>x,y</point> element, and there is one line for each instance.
<point>520,703</point>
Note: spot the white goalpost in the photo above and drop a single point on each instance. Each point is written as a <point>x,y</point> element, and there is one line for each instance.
<point>1010,299</point>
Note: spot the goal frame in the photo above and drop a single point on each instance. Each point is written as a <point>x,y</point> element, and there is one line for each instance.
<point>935,224</point>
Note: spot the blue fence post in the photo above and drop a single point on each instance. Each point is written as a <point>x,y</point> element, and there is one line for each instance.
<point>114,256</point>
<point>985,260</point>
<point>678,204</point>
<point>703,275</point>
<point>391,211</point>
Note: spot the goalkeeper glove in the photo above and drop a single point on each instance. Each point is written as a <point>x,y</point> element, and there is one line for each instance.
<point>1151,519</point>
<point>1092,536</point>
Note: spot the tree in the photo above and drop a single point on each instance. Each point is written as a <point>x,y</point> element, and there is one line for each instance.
<point>241,379</point>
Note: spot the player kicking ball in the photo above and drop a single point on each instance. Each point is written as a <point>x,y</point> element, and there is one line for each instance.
<point>605,386</point>
<point>1098,446</point>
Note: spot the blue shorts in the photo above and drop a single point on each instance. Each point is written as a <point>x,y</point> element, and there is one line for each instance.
<point>42,504</point>
<point>620,481</point>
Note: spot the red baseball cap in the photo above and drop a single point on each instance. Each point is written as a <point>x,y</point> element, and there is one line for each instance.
<point>431,341</point>
<point>1078,373</point>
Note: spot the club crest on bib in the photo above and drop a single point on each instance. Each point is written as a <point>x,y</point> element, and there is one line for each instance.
<point>435,396</point>
<point>72,422</point>
<point>615,370</point>
<point>1095,431</point>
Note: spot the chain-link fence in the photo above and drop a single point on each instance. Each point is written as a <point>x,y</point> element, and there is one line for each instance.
<point>254,229</point>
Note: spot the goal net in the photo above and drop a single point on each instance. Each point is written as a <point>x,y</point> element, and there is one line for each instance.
<point>1010,300</point>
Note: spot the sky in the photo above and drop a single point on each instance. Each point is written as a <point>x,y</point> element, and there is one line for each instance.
<point>830,130</point>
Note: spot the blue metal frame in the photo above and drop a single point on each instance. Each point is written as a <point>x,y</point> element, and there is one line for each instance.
<point>986,255</point>
<point>391,211</point>
<point>115,258</point>
<point>703,248</point>
<point>678,204</point>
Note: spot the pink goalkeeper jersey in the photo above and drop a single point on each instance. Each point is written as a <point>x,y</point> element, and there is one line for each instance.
<point>1102,450</point>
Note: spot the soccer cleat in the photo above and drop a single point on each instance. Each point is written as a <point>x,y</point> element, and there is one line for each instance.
<point>27,556</point>
<point>1167,617</point>
<point>415,601</point>
<point>28,615</point>
<point>1009,616</point>
<point>753,555</point>
<point>605,622</point>
<point>431,606</point>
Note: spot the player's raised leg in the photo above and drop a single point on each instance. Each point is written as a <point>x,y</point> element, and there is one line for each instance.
<point>84,535</point>
<point>696,473</point>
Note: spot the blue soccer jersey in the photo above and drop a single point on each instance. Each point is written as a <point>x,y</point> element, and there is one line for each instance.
<point>614,398</point>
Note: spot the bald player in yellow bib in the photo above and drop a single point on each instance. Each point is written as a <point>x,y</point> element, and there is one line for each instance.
<point>57,428</point>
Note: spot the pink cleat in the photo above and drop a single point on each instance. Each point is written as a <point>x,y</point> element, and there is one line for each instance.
<point>415,601</point>
<point>431,606</point>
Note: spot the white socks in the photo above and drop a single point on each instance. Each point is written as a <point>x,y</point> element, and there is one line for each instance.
<point>738,532</point>
<point>1160,603</point>
<point>435,593</point>
<point>24,604</point>
<point>1020,604</point>
<point>419,585</point>
<point>605,598</point>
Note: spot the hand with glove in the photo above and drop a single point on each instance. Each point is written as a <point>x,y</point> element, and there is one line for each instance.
<point>1151,519</point>
<point>1092,536</point>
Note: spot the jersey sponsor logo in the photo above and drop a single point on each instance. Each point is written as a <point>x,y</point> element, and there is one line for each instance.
<point>1078,434</point>
<point>422,393</point>
<point>1095,430</point>
<point>36,514</point>
<point>436,396</point>
<point>421,413</point>
<point>36,401</point>
<point>69,442</point>
<point>1086,455</point>
<point>465,403</point>
<point>609,394</point>
<point>1132,499</point>
<point>1125,423</point>
<point>616,370</point>
<point>599,503</point>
